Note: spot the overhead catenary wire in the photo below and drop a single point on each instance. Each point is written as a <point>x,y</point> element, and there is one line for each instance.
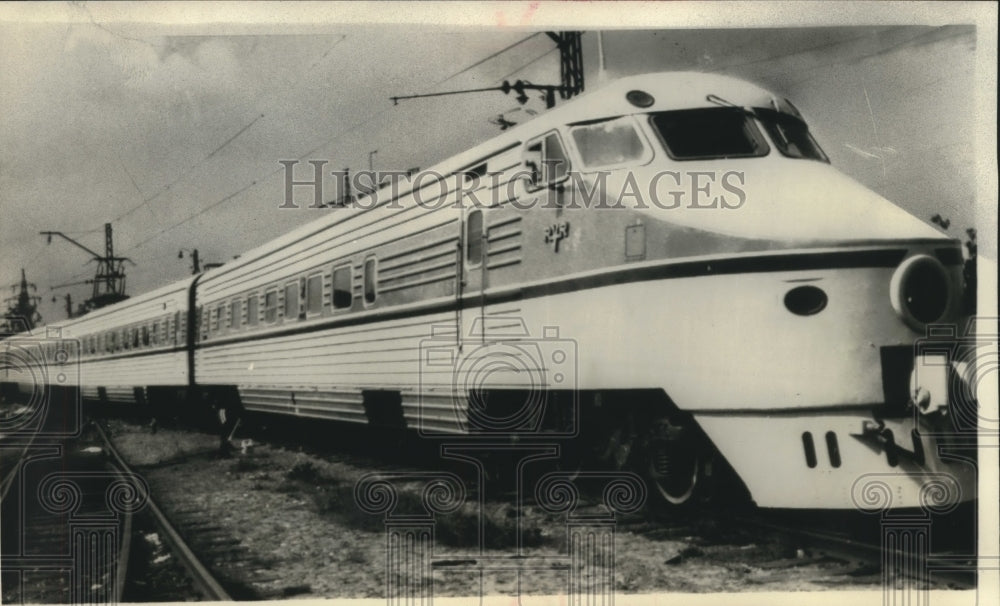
<point>224,145</point>
<point>487,58</point>
<point>329,140</point>
<point>187,172</point>
<point>529,63</point>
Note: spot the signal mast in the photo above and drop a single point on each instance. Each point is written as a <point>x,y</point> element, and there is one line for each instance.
<point>22,308</point>
<point>109,279</point>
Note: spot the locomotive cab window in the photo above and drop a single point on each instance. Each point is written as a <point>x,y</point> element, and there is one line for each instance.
<point>790,135</point>
<point>474,248</point>
<point>711,133</point>
<point>545,159</point>
<point>343,287</point>
<point>611,142</point>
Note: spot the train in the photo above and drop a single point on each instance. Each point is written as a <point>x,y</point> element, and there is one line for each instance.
<point>667,270</point>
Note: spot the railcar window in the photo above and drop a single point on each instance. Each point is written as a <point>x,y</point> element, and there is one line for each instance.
<point>235,313</point>
<point>608,143</point>
<point>718,132</point>
<point>790,135</point>
<point>474,238</point>
<point>292,300</point>
<point>343,287</point>
<point>145,335</point>
<point>314,294</point>
<point>219,317</point>
<point>252,303</point>
<point>370,280</point>
<point>271,306</point>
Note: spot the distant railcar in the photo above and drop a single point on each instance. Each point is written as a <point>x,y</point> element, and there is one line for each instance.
<point>667,270</point>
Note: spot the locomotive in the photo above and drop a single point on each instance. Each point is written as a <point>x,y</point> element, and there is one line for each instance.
<point>667,270</point>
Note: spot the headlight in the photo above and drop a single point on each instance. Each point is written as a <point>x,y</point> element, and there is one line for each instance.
<point>920,291</point>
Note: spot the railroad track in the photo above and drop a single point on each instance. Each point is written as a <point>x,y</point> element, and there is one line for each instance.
<point>746,541</point>
<point>202,578</point>
<point>950,568</point>
<point>67,521</point>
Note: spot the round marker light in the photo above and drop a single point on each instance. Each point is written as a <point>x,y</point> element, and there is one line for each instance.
<point>805,300</point>
<point>920,291</point>
<point>639,98</point>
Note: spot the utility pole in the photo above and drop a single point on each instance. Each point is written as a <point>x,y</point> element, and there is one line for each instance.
<point>69,305</point>
<point>195,263</point>
<point>109,279</point>
<point>346,196</point>
<point>570,62</point>
<point>22,306</point>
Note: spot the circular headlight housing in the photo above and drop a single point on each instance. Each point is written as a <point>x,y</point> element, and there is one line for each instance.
<point>920,291</point>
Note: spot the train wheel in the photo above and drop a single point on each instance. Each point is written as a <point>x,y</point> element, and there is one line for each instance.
<point>672,462</point>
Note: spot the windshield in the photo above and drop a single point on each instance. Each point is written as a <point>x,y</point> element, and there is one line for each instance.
<point>790,135</point>
<point>717,132</point>
<point>608,143</point>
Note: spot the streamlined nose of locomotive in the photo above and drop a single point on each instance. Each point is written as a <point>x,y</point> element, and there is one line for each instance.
<point>796,201</point>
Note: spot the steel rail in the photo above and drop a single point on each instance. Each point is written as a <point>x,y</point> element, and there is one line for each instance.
<point>200,575</point>
<point>842,547</point>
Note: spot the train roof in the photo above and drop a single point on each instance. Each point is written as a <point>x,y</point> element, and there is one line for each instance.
<point>103,312</point>
<point>669,91</point>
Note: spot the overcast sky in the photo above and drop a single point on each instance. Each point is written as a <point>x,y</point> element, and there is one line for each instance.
<point>174,132</point>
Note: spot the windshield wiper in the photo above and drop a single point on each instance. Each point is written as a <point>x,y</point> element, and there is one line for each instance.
<point>716,99</point>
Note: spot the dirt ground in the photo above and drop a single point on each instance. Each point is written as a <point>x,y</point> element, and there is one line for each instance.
<point>295,512</point>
